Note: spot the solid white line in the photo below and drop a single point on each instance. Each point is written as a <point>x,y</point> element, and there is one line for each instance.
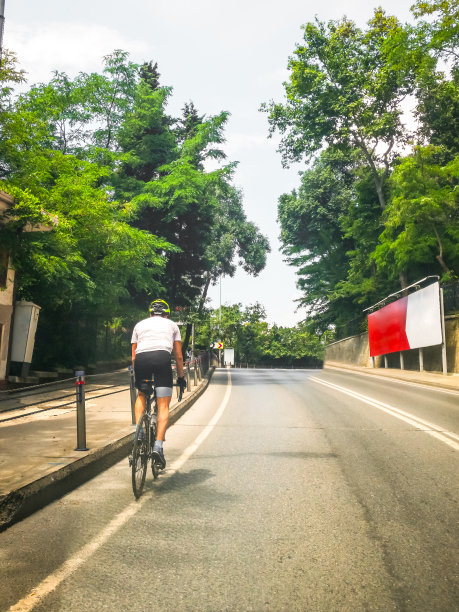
<point>397,380</point>
<point>51,582</point>
<point>441,434</point>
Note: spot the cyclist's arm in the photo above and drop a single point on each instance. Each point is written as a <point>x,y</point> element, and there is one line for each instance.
<point>178,357</point>
<point>134,346</point>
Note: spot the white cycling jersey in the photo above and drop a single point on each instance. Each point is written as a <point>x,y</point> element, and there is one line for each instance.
<point>155,334</point>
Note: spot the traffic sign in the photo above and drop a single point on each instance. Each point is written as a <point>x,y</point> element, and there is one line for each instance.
<point>219,345</point>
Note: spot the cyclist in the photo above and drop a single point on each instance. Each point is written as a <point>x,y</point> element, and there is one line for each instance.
<point>153,341</point>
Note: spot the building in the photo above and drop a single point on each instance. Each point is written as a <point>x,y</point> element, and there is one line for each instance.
<point>8,286</point>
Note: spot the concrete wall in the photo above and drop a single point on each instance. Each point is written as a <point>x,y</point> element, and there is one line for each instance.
<point>356,351</point>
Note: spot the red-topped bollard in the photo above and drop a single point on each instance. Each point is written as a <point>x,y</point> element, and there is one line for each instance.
<point>81,411</point>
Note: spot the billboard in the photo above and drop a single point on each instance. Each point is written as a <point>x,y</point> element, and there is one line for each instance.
<point>412,322</point>
<point>228,358</point>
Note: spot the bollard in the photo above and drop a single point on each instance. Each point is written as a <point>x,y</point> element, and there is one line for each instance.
<point>81,411</point>
<point>188,377</point>
<point>133,394</point>
<point>195,374</point>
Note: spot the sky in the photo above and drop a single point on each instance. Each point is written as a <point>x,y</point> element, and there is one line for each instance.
<point>221,55</point>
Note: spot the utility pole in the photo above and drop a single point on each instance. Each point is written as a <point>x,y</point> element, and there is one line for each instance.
<point>2,24</point>
<point>220,321</point>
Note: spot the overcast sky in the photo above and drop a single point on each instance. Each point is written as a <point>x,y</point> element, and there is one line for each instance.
<point>228,55</point>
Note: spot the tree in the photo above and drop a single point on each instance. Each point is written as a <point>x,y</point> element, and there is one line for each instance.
<point>150,74</point>
<point>187,126</point>
<point>80,272</point>
<point>343,92</point>
<point>292,345</point>
<point>146,141</point>
<point>442,30</point>
<point>255,342</point>
<point>313,233</point>
<point>422,221</point>
<point>234,241</point>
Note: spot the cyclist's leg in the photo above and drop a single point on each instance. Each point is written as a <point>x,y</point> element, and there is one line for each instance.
<point>143,370</point>
<point>162,370</point>
<point>163,415</point>
<point>140,404</point>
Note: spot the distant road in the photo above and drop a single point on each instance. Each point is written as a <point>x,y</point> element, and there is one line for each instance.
<point>285,490</point>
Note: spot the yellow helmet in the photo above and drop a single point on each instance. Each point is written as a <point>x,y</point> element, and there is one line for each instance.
<point>159,307</point>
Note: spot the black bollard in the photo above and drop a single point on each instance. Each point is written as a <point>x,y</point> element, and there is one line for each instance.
<point>81,411</point>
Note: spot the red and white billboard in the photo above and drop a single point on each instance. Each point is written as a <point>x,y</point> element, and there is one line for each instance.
<point>413,321</point>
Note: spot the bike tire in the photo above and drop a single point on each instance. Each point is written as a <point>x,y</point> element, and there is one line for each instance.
<point>140,456</point>
<point>154,466</point>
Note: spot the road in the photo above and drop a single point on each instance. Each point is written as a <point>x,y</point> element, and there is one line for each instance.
<point>285,490</point>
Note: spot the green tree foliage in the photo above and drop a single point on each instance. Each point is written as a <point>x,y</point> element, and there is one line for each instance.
<point>312,233</point>
<point>343,92</point>
<point>441,26</point>
<point>365,221</point>
<point>255,342</point>
<point>135,211</point>
<point>422,221</point>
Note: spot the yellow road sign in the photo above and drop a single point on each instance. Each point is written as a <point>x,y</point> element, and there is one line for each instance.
<point>219,345</point>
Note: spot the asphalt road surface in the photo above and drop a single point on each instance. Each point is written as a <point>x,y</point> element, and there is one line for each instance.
<point>284,490</point>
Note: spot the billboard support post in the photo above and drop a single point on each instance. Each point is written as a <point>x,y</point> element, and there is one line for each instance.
<point>443,345</point>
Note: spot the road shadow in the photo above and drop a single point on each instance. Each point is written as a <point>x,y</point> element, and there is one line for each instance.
<point>194,481</point>
<point>302,455</point>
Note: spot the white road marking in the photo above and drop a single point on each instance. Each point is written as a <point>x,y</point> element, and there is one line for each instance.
<point>51,582</point>
<point>397,380</point>
<point>441,434</point>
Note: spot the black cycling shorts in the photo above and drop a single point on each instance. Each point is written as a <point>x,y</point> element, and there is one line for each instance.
<point>156,366</point>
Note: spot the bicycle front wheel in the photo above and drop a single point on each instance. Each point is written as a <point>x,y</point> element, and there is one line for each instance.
<point>140,456</point>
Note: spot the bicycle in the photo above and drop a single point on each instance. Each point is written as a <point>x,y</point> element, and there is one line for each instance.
<point>144,439</point>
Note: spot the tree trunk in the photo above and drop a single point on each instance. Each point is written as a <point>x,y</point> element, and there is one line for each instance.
<point>186,342</point>
<point>439,257</point>
<point>202,301</point>
<point>374,171</point>
<point>403,280</point>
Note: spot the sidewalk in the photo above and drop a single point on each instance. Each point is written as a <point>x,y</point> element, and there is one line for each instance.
<point>432,379</point>
<point>38,460</point>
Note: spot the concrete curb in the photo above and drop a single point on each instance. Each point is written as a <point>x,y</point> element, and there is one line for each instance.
<point>430,379</point>
<point>18,504</point>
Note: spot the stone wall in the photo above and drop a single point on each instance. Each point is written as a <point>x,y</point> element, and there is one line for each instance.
<point>355,351</point>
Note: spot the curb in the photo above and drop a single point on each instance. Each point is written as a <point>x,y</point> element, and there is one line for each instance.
<point>18,504</point>
<point>396,375</point>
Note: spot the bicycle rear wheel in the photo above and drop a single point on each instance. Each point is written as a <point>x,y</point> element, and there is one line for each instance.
<point>140,456</point>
